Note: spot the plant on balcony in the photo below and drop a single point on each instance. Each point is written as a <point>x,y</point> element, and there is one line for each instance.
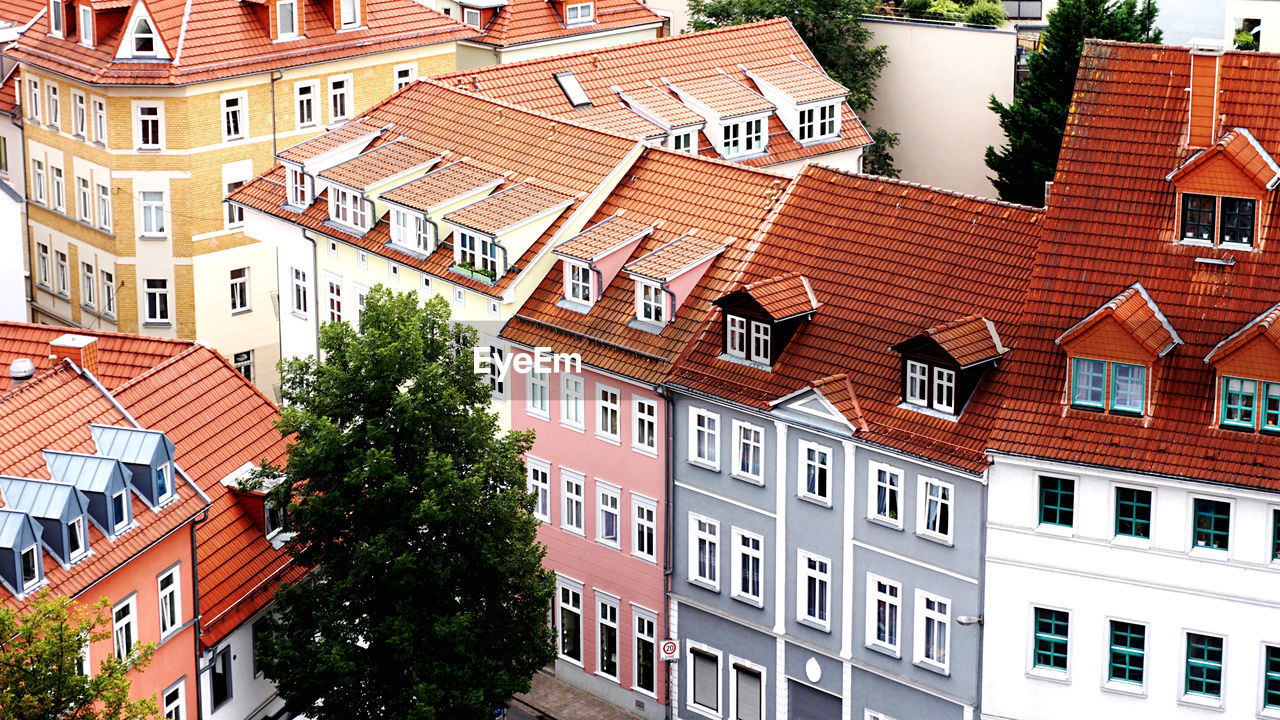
<point>1244,40</point>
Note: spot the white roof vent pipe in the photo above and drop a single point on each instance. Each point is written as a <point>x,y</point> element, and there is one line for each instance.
<point>20,371</point>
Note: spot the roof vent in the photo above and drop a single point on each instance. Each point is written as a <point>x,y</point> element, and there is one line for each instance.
<point>21,370</point>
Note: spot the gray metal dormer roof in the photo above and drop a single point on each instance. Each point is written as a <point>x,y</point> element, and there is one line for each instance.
<point>42,499</point>
<point>17,529</point>
<point>135,446</point>
<point>89,473</point>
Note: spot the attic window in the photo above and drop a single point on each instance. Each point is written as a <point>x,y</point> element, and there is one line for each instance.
<point>1245,400</point>
<point>350,13</point>
<point>276,520</point>
<point>119,510</point>
<point>144,37</point>
<point>57,24</point>
<point>650,303</point>
<point>578,14</point>
<point>30,568</point>
<point>75,538</point>
<point>577,282</point>
<point>1235,219</point>
<point>1112,386</point>
<point>929,385</point>
<point>287,19</point>
<point>572,90</point>
<point>471,16</point>
<point>164,483</point>
<point>750,340</point>
<point>86,25</point>
<point>818,123</point>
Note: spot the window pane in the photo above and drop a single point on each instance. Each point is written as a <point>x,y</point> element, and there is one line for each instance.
<point>1128,386</point>
<point>1237,220</point>
<point>1204,665</point>
<point>1197,217</point>
<point>1057,501</point>
<point>1128,647</point>
<point>1212,524</point>
<point>1088,382</point>
<point>1051,639</point>
<point>1133,512</point>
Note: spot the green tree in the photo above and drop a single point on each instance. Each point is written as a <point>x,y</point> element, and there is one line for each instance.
<point>40,658</point>
<point>1035,120</point>
<point>877,160</point>
<point>428,599</point>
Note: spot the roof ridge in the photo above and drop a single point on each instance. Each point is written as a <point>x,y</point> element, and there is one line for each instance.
<point>63,365</point>
<point>495,69</point>
<point>922,186</point>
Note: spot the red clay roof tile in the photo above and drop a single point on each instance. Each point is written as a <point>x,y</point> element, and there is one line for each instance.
<point>784,296</point>
<point>797,80</point>
<point>969,340</point>
<point>676,257</point>
<point>380,164</point>
<point>121,357</point>
<point>603,238</point>
<point>509,207</point>
<point>527,21</point>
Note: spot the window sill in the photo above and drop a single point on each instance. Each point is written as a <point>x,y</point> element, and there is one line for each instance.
<point>576,428</point>
<point>1201,701</point>
<point>814,499</point>
<point>889,650</point>
<point>646,451</point>
<point>815,624</point>
<point>570,660</point>
<point>611,439</point>
<point>645,558</point>
<point>144,236</point>
<point>148,149</point>
<point>891,524</point>
<point>605,676</point>
<point>545,520</point>
<point>100,144</point>
<point>708,713</point>
<point>705,464</point>
<point>748,478</point>
<point>242,311</point>
<point>705,584</point>
<point>1206,553</point>
<point>936,538</point>
<point>538,415</point>
<point>157,323</point>
<point>1125,688</point>
<point>1062,677</point>
<point>1065,531</point>
<point>574,531</point>
<point>1271,713</point>
<point>933,667</point>
<point>298,315</point>
<point>748,600</point>
<point>611,544</point>
<point>1131,541</point>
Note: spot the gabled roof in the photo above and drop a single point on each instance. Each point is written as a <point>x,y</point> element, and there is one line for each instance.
<point>603,238</point>
<point>1110,221</point>
<point>798,80</point>
<point>521,22</point>
<point>1138,314</point>
<point>120,356</point>
<point>637,68</point>
<point>969,341</point>
<point>360,129</point>
<point>837,392</point>
<point>127,444</point>
<point>676,257</point>
<point>380,164</point>
<point>783,297</point>
<point>443,184</point>
<point>1241,148</point>
<point>962,254</point>
<point>510,207</point>
<point>90,473</point>
<point>726,96</point>
<point>214,39</point>
<point>8,94</point>
<point>12,523</point>
<point>1266,324</point>
<point>38,498</point>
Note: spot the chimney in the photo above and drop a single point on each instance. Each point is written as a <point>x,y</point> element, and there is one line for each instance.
<point>1206,59</point>
<point>20,371</point>
<point>80,349</point>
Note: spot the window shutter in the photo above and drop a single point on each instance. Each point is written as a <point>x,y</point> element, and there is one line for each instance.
<point>748,694</point>
<point>706,670</point>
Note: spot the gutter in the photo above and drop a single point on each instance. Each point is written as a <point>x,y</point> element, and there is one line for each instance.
<point>195,611</point>
<point>668,530</point>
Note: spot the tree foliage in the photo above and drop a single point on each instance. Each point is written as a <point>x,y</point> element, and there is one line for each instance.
<point>1035,120</point>
<point>39,677</point>
<point>428,599</point>
<point>831,28</point>
<point>877,160</point>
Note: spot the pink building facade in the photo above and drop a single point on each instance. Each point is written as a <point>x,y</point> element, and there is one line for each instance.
<point>596,469</point>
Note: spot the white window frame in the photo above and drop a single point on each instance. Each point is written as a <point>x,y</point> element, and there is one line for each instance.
<point>944,379</point>
<point>354,7</point>
<point>57,18</point>
<point>712,438</point>
<point>710,535</point>
<point>606,606</point>
<point>153,212</point>
<point>308,103</point>
<point>761,335</point>
<point>735,330</point>
<point>923,499</point>
<point>651,303</point>
<point>344,93</point>
<point>410,72</point>
<point>581,16</point>
<point>741,553</point>
<point>299,192</point>
<point>79,114</point>
<point>84,200</point>
<point>104,207</point>
<point>239,113</point>
<point>683,142</point>
<point>873,485</point>
<point>108,292</point>
<point>538,384</point>
<point>644,424</point>
<point>736,663</point>
<point>57,188</point>
<point>573,504</point>
<point>639,614</point>
<point>53,111</point>
<point>85,30</point>
<point>802,471</point>
<point>131,47</point>
<point>823,579</point>
<point>333,298</point>
<point>922,618</point>
<point>171,597</point>
<point>235,213</point>
<point>577,282</point>
<point>608,500</point>
<point>38,188</point>
<point>348,208</point>
<point>243,363</point>
<point>917,379</point>
<point>471,16</point>
<point>740,444</point>
<point>573,402</point>
<point>874,598</point>
<point>44,275</point>
<point>690,648</point>
<point>573,586</point>
<point>62,273</point>
<point>174,709</point>
<point>34,550</point>
<point>78,522</point>
<point>538,473</point>
<point>606,408</point>
<point>99,110</point>
<point>299,298</point>
<point>129,624</point>
<point>642,506</point>
<point>88,283</point>
<point>34,101</point>
<point>138,121</point>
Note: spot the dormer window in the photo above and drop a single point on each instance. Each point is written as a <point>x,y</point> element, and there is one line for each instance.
<point>298,195</point>
<point>682,142</point>
<point>577,286</point>
<point>478,254</point>
<point>578,14</point>
<point>57,23</point>
<point>744,138</point>
<point>164,483</point>
<point>349,13</point>
<point>275,519</point>
<point>930,385</point>
<point>348,207</point>
<point>818,123</point>
<point>1247,402</point>
<point>76,545</point>
<point>30,568</point>
<point>761,335</point>
<point>409,229</point>
<point>735,336</point>
<point>650,303</point>
<point>86,24</point>
<point>144,37</point>
<point>1111,386</point>
<point>1237,223</point>
<point>120,510</point>
<point>1237,220</point>
<point>471,16</point>
<point>749,340</point>
<point>1206,214</point>
<point>286,19</point>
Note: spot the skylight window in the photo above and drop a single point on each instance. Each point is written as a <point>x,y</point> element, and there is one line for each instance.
<point>572,90</point>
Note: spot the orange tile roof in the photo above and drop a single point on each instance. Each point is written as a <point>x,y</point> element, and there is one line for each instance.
<point>380,164</point>
<point>1138,314</point>
<point>724,95</point>
<point>838,390</point>
<point>1243,149</point>
<point>20,12</point>
<point>720,199</point>
<point>9,95</point>
<point>660,103</point>
<point>1267,324</point>
<point>940,255</point>
<point>510,207</point>
<point>121,357</point>
<point>676,257</point>
<point>491,133</point>
<point>798,80</point>
<point>444,184</point>
<point>219,422</point>
<point>519,22</point>
<point>52,412</point>
<point>603,238</point>
<point>784,296</point>
<point>213,39</point>
<point>969,340</point>
<point>1111,222</point>
<point>637,67</point>
<point>321,144</point>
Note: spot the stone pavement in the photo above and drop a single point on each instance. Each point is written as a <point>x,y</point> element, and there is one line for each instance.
<point>558,700</point>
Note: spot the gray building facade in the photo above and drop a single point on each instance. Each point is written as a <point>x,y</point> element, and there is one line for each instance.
<point>816,575</point>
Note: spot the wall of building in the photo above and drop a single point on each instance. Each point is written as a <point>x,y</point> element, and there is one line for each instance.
<point>476,55</point>
<point>676,12</point>
<point>1162,582</point>
<point>14,278</point>
<point>255,329</point>
<point>850,160</point>
<point>252,695</point>
<point>1235,12</point>
<point>934,93</point>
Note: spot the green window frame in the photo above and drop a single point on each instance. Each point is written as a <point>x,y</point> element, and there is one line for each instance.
<point>1088,383</point>
<point>1128,388</point>
<point>1271,406</point>
<point>1204,665</point>
<point>1212,524</point>
<point>1057,501</point>
<point>1275,534</point>
<point>1271,677</point>
<point>1133,512</point>
<point>1128,652</point>
<point>1051,638</point>
<point>1239,401</point>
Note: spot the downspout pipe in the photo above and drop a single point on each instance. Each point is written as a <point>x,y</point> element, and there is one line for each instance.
<point>671,316</point>
<point>600,284</point>
<point>195,600</point>
<point>668,529</point>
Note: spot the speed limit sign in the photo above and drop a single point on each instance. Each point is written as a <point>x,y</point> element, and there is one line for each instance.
<point>669,650</point>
